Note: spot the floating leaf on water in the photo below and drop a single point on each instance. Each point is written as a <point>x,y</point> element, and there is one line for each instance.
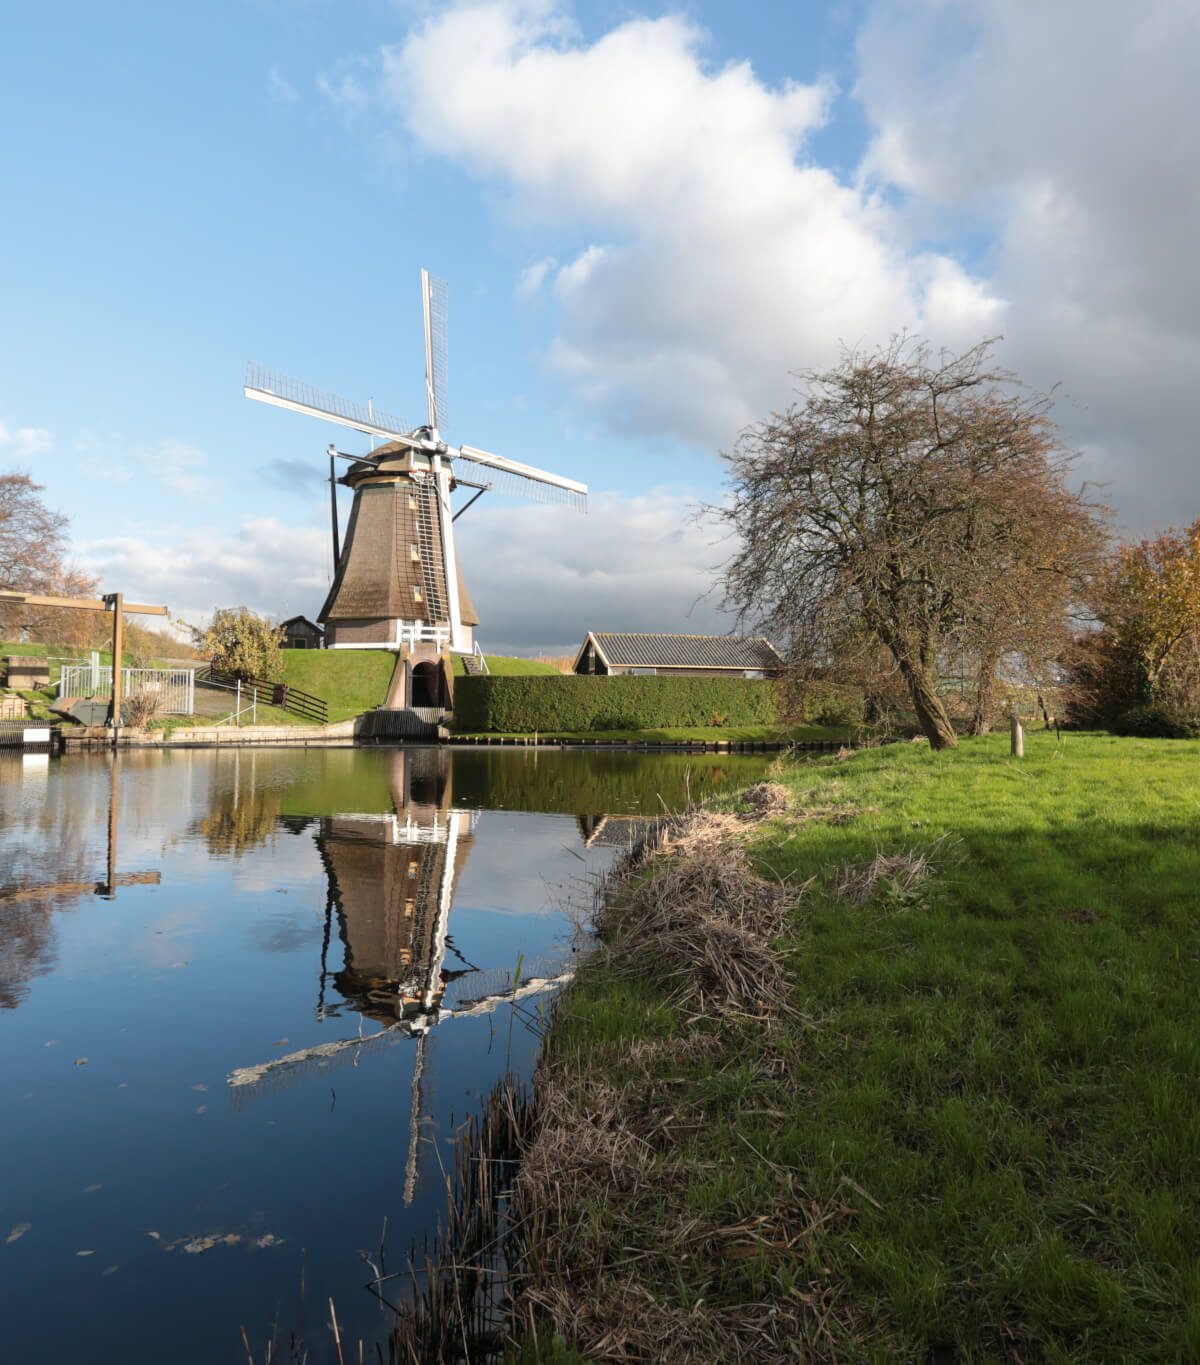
<point>202,1109</point>
<point>91,1189</point>
<point>199,1087</point>
<point>81,1061</point>
<point>178,964</point>
<point>110,1270</point>
<point>18,1232</point>
<point>268,1239</point>
<point>195,1245</point>
<point>92,1252</point>
<point>281,1042</point>
<point>123,1085</point>
<point>50,1043</point>
<point>156,1235</point>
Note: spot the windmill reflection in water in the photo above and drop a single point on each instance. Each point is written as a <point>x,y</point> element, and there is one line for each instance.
<point>391,886</point>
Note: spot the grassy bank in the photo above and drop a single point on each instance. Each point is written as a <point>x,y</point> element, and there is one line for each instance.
<point>963,1121</point>
<point>506,666</point>
<point>350,680</point>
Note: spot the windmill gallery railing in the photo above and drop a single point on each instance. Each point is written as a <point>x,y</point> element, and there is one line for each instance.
<point>266,693</point>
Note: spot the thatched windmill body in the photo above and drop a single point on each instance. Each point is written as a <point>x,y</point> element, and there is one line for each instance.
<point>397,583</point>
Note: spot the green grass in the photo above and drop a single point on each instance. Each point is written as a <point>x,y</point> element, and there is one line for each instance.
<point>992,1084</point>
<point>356,680</point>
<point>39,700</point>
<point>712,734</point>
<point>350,680</point>
<point>504,666</point>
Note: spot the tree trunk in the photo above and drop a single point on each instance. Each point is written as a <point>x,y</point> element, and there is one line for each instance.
<point>985,698</point>
<point>931,714</point>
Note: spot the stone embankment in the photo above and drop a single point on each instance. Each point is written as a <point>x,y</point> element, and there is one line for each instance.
<point>90,737</point>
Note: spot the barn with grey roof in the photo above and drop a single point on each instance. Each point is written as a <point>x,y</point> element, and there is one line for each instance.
<point>722,656</point>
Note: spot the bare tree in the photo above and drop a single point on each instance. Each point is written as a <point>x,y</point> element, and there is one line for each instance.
<point>33,541</point>
<point>908,500</point>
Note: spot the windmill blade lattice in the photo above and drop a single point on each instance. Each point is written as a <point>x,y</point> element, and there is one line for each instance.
<point>437,348</point>
<point>268,386</point>
<point>525,481</point>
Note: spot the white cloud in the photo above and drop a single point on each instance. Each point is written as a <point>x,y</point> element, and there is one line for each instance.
<point>279,89</point>
<point>1061,131</point>
<point>722,258</point>
<point>273,568</point>
<point>534,276</point>
<point>540,577</point>
<point>179,467</point>
<point>345,87</point>
<point>25,441</point>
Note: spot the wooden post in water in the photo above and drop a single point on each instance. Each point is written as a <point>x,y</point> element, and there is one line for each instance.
<point>117,601</point>
<point>1018,736</point>
<point>114,816</point>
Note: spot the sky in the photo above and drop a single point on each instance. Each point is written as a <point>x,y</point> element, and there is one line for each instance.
<point>650,218</point>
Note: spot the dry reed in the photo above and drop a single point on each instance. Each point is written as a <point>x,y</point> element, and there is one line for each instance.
<point>576,1242</point>
<point>599,1205</point>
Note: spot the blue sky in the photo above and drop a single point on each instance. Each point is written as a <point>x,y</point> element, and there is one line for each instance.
<point>648,216</point>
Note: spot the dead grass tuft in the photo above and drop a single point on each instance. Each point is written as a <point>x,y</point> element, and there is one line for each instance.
<point>895,874</point>
<point>702,919</point>
<point>767,799</point>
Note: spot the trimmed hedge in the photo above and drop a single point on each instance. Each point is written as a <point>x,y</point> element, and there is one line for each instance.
<point>575,703</point>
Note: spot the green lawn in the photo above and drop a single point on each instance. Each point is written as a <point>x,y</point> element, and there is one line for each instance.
<point>504,666</point>
<point>978,1138</point>
<point>350,680</point>
<point>356,680</point>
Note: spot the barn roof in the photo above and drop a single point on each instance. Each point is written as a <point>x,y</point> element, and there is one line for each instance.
<point>300,620</point>
<point>740,652</point>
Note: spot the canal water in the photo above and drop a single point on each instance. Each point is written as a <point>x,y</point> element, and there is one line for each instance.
<point>245,999</point>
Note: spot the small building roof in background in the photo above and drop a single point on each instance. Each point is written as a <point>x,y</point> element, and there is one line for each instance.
<point>735,652</point>
<point>300,620</point>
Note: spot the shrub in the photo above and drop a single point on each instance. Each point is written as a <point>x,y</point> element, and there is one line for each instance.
<point>1157,722</point>
<point>817,701</point>
<point>140,708</point>
<point>241,642</point>
<point>574,703</point>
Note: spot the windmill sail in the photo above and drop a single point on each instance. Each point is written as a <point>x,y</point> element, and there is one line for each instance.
<point>269,387</point>
<point>435,304</point>
<point>526,480</point>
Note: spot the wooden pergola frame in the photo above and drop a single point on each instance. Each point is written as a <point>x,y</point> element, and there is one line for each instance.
<point>114,602</point>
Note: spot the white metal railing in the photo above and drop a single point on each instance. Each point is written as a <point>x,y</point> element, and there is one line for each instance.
<point>174,687</point>
<point>418,633</point>
<point>479,654</point>
<point>235,716</point>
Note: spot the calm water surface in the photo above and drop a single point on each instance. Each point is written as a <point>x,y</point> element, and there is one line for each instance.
<point>180,931</point>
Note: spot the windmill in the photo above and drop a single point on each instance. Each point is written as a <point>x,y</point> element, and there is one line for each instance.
<point>397,583</point>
